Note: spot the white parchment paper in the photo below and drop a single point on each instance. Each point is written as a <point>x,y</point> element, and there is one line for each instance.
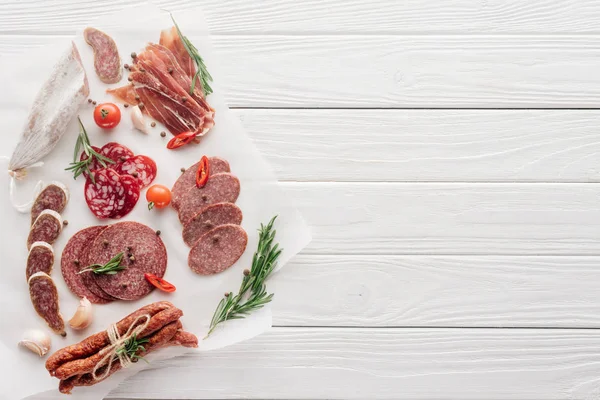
<point>260,199</point>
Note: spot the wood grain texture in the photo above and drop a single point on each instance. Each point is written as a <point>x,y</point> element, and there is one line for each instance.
<point>401,71</point>
<point>442,291</point>
<point>460,219</point>
<point>330,16</point>
<point>428,145</point>
<point>385,364</point>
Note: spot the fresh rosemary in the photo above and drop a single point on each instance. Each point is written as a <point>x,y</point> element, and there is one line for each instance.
<point>253,291</point>
<point>201,71</point>
<point>79,167</point>
<point>131,347</point>
<point>110,268</point>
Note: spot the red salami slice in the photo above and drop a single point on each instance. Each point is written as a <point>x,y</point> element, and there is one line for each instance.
<point>218,249</point>
<point>116,152</point>
<point>46,228</point>
<point>143,252</point>
<point>53,197</point>
<point>130,198</point>
<point>220,188</point>
<point>210,217</point>
<point>107,62</point>
<point>39,259</point>
<point>94,165</point>
<point>73,258</point>
<point>44,298</point>
<point>140,167</point>
<point>102,195</point>
<point>188,178</point>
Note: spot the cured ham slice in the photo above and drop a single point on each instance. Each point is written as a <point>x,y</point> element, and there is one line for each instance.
<point>171,40</point>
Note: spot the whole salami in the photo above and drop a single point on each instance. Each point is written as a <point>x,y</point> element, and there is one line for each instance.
<point>46,228</point>
<point>54,197</point>
<point>143,252</point>
<point>220,188</point>
<point>187,180</point>
<point>39,259</point>
<point>218,249</point>
<point>208,218</point>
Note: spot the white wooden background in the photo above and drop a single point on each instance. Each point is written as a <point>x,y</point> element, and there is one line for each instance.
<point>447,156</point>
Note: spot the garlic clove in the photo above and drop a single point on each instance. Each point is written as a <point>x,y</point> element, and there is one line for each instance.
<point>138,119</point>
<point>37,341</point>
<point>83,315</point>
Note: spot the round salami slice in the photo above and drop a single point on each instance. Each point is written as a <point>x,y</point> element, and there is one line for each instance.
<point>130,198</point>
<point>39,259</point>
<point>102,194</point>
<point>94,165</point>
<point>116,152</point>
<point>143,252</point>
<point>220,188</point>
<point>55,197</point>
<point>216,165</point>
<point>44,298</point>
<point>74,256</point>
<point>218,249</point>
<point>208,218</point>
<point>46,228</point>
<point>140,167</point>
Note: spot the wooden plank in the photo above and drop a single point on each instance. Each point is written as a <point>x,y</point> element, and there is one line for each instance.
<point>331,16</point>
<point>428,145</point>
<point>384,364</point>
<point>402,71</point>
<point>504,219</point>
<point>442,291</point>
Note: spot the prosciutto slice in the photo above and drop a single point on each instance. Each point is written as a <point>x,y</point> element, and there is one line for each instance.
<point>56,104</point>
<point>170,39</point>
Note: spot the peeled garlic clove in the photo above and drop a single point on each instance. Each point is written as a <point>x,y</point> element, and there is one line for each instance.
<point>138,119</point>
<point>83,316</point>
<point>37,341</point>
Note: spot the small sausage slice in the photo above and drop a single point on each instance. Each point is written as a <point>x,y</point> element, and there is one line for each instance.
<point>55,197</point>
<point>46,228</point>
<point>218,249</point>
<point>40,259</point>
<point>107,62</point>
<point>44,298</point>
<point>208,218</point>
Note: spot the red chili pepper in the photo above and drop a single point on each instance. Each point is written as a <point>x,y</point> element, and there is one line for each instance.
<point>181,140</point>
<point>160,283</point>
<point>202,172</point>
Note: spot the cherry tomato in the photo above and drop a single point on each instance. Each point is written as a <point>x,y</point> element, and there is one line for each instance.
<point>181,140</point>
<point>158,196</point>
<point>107,115</point>
<point>160,283</point>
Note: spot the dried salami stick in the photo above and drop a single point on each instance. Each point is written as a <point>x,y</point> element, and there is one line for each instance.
<point>184,338</point>
<point>85,365</point>
<point>98,341</point>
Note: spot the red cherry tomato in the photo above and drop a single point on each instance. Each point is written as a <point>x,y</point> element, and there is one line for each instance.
<point>160,283</point>
<point>107,115</point>
<point>158,196</point>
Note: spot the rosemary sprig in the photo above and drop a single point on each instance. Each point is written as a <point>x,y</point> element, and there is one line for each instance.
<point>201,71</point>
<point>110,268</point>
<point>253,291</point>
<point>79,167</point>
<point>131,347</point>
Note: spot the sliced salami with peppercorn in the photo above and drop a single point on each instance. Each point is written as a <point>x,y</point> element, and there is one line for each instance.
<point>218,249</point>
<point>140,167</point>
<point>46,228</point>
<point>220,188</point>
<point>103,194</point>
<point>130,198</point>
<point>188,179</point>
<point>39,259</point>
<point>95,164</point>
<point>209,218</point>
<point>116,152</point>
<point>53,197</point>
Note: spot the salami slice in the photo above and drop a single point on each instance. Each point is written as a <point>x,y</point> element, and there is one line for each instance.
<point>107,62</point>
<point>208,218</point>
<point>39,259</point>
<point>102,195</point>
<point>140,167</point>
<point>46,228</point>
<point>116,152</point>
<point>220,188</point>
<point>73,258</point>
<point>94,165</point>
<point>188,179</point>
<point>218,249</point>
<point>143,252</point>
<point>44,298</point>
<point>55,197</point>
<point>130,198</point>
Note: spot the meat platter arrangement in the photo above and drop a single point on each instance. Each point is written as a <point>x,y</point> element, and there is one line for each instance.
<point>143,200</point>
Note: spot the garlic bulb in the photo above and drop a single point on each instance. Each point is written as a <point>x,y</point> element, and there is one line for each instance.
<point>83,316</point>
<point>138,119</point>
<point>37,341</point>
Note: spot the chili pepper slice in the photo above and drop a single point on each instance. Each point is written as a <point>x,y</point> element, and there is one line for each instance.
<point>160,283</point>
<point>181,140</point>
<point>202,172</point>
